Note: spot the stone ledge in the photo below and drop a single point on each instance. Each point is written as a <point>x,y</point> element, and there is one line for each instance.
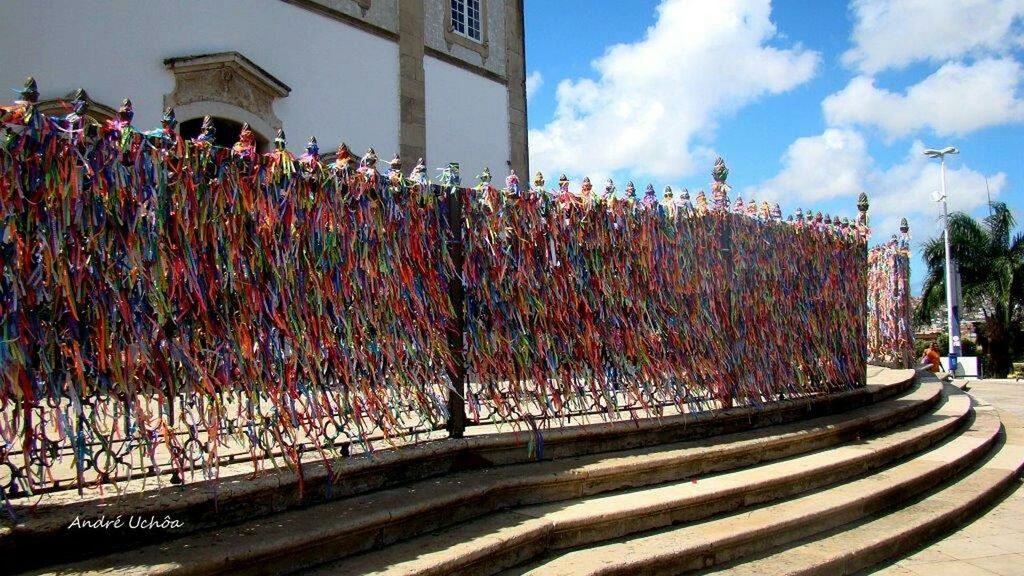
<point>296,539</point>
<point>225,84</point>
<point>708,543</point>
<point>513,537</point>
<point>233,61</point>
<point>206,505</point>
<point>885,538</point>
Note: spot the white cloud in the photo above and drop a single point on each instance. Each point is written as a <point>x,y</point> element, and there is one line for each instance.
<point>816,168</point>
<point>895,33</point>
<point>533,83</point>
<point>956,99</point>
<point>906,190</point>
<point>836,164</point>
<point>653,98</point>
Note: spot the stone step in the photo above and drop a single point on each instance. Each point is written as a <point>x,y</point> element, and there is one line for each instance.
<point>238,496</point>
<point>509,538</point>
<point>296,539</point>
<point>704,544</point>
<point>885,537</point>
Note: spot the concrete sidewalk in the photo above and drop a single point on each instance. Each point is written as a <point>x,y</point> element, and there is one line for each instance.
<point>993,544</point>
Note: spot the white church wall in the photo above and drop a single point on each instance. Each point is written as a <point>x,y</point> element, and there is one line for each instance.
<point>344,81</point>
<point>467,121</point>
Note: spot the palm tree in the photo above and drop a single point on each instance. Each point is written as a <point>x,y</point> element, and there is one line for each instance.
<point>991,275</point>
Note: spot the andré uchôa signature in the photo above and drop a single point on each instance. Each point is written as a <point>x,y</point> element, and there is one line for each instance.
<point>132,522</point>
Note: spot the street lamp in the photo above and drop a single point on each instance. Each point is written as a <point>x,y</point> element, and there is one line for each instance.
<point>952,313</point>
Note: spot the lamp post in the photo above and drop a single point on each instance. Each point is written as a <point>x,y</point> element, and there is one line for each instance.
<point>952,312</point>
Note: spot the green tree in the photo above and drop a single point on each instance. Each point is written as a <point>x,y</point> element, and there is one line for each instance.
<point>991,261</point>
<point>967,347</point>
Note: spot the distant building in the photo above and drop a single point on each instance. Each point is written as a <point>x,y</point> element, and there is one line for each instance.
<point>937,327</point>
<point>439,79</point>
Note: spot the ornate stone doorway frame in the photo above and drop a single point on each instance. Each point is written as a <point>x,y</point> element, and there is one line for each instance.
<point>226,85</point>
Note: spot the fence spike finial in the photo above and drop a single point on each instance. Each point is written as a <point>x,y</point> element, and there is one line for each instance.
<point>208,130</point>
<point>246,145</point>
<point>30,91</point>
<point>904,235</point>
<point>395,171</point>
<point>586,188</point>
<point>702,202</point>
<point>512,184</point>
<point>126,112</point>
<point>451,175</point>
<point>369,159</point>
<point>169,121</point>
<point>650,196</point>
<point>720,172</point>
<point>419,173</point>
<point>538,181</point>
<point>80,102</point>
<point>343,158</point>
<point>684,199</point>
<point>609,188</point>
<point>484,178</point>
<point>719,188</point>
<point>862,208</point>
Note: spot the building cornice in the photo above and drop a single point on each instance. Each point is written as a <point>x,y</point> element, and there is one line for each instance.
<point>333,14</point>
<point>234,61</point>
<point>467,66</point>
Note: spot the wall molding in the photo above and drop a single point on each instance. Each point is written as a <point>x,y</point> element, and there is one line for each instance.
<point>333,14</point>
<point>243,90</point>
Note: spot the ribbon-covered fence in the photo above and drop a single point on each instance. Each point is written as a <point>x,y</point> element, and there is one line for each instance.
<point>169,306</point>
<point>890,328</point>
<point>579,303</point>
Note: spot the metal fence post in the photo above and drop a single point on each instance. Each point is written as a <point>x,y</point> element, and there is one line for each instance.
<point>908,356</point>
<point>730,330</point>
<point>457,329</point>
<point>720,195</point>
<point>862,354</point>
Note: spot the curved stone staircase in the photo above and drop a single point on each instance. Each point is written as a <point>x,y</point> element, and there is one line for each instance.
<point>827,495</point>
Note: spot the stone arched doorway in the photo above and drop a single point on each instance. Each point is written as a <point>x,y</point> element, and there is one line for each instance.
<point>228,87</point>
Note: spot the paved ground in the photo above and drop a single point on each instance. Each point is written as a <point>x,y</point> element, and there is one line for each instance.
<point>993,544</point>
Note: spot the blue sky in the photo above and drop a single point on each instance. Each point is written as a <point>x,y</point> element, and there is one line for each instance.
<point>808,102</point>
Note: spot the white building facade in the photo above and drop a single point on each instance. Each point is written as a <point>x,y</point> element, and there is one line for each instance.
<point>438,79</point>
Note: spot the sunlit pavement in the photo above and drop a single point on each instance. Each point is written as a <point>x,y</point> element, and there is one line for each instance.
<point>994,542</point>
<point>1006,395</point>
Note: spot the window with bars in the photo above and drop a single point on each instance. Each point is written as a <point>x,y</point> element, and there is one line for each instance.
<point>466,19</point>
